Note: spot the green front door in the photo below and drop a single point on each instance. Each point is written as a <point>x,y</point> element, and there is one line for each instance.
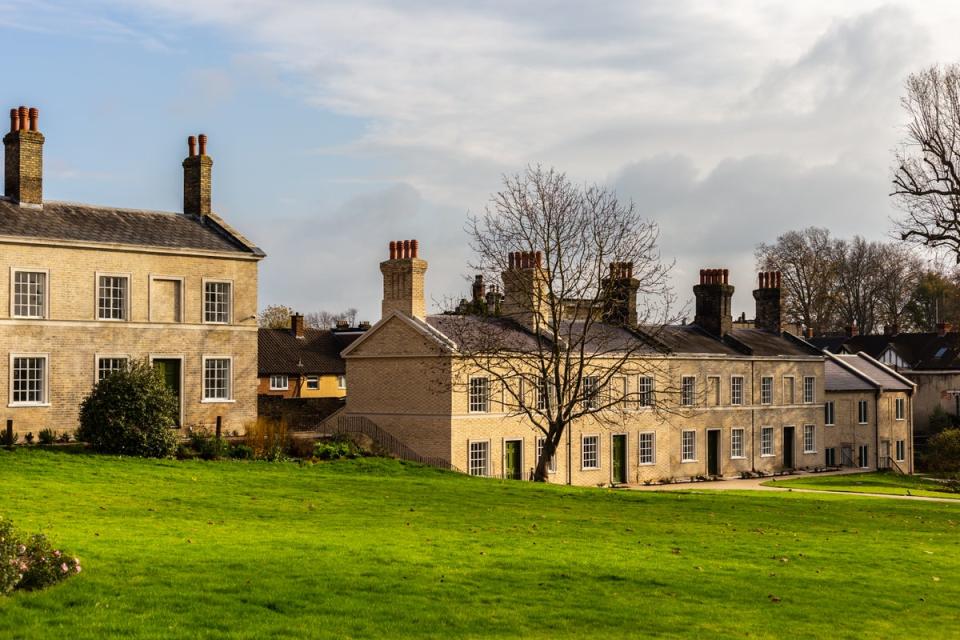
<point>620,459</point>
<point>169,368</point>
<point>512,460</point>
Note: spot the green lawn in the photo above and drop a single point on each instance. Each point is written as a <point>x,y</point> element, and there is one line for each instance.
<point>379,549</point>
<point>889,483</point>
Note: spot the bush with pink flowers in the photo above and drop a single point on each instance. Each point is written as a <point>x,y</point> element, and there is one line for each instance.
<point>33,563</point>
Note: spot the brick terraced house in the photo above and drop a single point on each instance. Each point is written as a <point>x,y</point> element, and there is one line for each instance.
<point>747,399</point>
<point>84,289</point>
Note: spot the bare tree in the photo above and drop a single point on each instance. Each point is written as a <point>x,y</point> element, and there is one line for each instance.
<point>858,265</point>
<point>900,270</point>
<point>275,316</point>
<point>583,285</point>
<point>926,184</point>
<point>326,319</point>
<point>807,260</point>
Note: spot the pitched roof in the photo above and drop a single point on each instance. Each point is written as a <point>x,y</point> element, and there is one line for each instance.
<point>89,223</point>
<point>279,351</point>
<point>860,372</point>
<point>921,350</point>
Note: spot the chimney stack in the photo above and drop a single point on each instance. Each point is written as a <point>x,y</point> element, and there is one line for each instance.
<point>618,295</point>
<point>853,330</point>
<point>714,297</point>
<point>769,298</point>
<point>525,289</point>
<point>479,290</point>
<point>23,158</point>
<point>296,325</point>
<point>197,170</point>
<point>403,276</point>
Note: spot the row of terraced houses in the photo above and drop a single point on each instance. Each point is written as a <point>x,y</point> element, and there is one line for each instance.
<point>90,288</point>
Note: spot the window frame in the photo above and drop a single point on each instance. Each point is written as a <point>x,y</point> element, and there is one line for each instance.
<point>863,412</point>
<point>342,381</point>
<point>590,400</point>
<point>127,302</point>
<point>653,448</point>
<point>771,451</point>
<point>900,450</point>
<point>552,465</point>
<point>900,409</point>
<point>470,395</point>
<point>45,380</point>
<point>203,301</point>
<point>646,399</point>
<point>829,413</point>
<point>203,380</point>
<point>46,293</point>
<point>286,378</point>
<point>683,445</point>
<point>734,401</point>
<point>812,398</point>
<point>811,430</point>
<point>768,392</point>
<point>486,461</point>
<point>683,391</point>
<point>314,380</point>
<point>734,445</point>
<point>106,356</point>
<point>583,451</point>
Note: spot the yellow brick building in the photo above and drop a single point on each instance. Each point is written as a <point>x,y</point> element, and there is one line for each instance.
<point>705,399</point>
<point>85,289</point>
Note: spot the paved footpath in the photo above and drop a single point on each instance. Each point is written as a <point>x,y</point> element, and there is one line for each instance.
<point>756,484</point>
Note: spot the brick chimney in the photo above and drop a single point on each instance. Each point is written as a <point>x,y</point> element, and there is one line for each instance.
<point>197,169</point>
<point>403,276</point>
<point>23,158</point>
<point>714,295</point>
<point>769,299</point>
<point>296,325</point>
<point>525,289</point>
<point>943,328</point>
<point>618,295</point>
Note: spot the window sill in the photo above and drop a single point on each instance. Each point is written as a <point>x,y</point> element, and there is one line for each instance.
<point>690,460</point>
<point>19,405</point>
<point>279,388</point>
<point>220,324</point>
<point>806,453</point>
<point>768,455</point>
<point>216,401</point>
<point>647,464</point>
<point>738,457</point>
<point>589,468</point>
<point>28,317</point>
<point>830,424</point>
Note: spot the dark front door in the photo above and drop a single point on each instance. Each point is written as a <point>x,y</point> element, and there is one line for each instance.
<point>512,461</point>
<point>169,368</point>
<point>620,459</point>
<point>713,452</point>
<point>788,442</point>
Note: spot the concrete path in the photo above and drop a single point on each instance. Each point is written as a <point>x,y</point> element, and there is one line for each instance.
<point>756,484</point>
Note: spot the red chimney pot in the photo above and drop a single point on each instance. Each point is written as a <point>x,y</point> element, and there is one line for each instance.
<point>202,138</point>
<point>414,248</point>
<point>34,116</point>
<point>393,250</point>
<point>192,146</point>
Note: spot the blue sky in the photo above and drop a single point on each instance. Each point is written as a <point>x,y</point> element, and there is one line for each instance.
<point>335,127</point>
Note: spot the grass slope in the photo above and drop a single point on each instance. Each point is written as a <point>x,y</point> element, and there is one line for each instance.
<point>889,483</point>
<point>375,548</point>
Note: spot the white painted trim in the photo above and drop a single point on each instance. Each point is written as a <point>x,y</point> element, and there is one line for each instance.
<point>653,443</point>
<point>803,390</point>
<point>695,448</point>
<point>804,435</point>
<point>552,467</point>
<point>46,380</point>
<point>584,436</point>
<point>203,300</point>
<point>772,396</point>
<point>486,471</point>
<point>743,387</point>
<point>489,399</point>
<point>682,377</point>
<point>773,442</point>
<point>203,382</point>
<point>46,292</point>
<point>99,356</point>
<point>183,309</point>
<point>743,443</point>
<point>279,375</point>
<point>127,305</point>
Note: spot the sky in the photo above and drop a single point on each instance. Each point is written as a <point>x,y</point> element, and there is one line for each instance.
<point>336,127</point>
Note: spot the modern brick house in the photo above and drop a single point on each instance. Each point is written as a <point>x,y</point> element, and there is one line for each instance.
<point>746,399</point>
<point>84,289</point>
<point>301,362</point>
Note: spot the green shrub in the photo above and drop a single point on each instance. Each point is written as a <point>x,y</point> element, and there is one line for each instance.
<point>335,450</point>
<point>242,452</point>
<point>943,451</point>
<point>47,436</point>
<point>9,442</point>
<point>207,445</point>
<point>130,412</point>
<point>33,563</point>
<point>940,420</point>
<point>29,437</point>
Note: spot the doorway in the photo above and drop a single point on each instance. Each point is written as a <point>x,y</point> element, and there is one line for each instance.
<point>170,369</point>
<point>513,459</point>
<point>619,458</point>
<point>788,444</point>
<point>713,452</point>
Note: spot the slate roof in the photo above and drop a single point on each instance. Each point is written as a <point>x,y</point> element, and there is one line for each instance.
<point>279,351</point>
<point>922,351</point>
<point>871,375</point>
<point>90,223</point>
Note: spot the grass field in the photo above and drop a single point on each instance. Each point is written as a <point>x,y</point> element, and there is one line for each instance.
<point>376,548</point>
<point>889,483</point>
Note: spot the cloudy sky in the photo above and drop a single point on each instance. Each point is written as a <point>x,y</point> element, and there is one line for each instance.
<point>337,126</point>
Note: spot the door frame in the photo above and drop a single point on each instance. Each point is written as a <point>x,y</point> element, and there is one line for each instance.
<point>503,462</point>
<point>626,458</point>
<point>182,359</point>
<point>719,451</point>
<point>793,445</point>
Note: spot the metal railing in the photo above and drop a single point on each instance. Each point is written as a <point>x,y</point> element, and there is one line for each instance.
<point>389,443</point>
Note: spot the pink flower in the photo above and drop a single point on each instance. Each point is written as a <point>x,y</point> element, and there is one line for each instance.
<point>64,567</point>
<point>57,553</point>
<point>23,566</point>
<point>77,568</point>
